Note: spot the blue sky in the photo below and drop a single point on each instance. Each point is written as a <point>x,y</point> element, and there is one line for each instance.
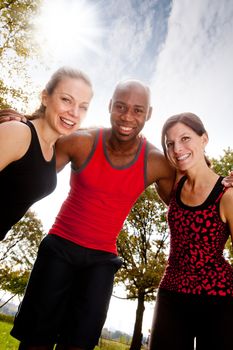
<point>183,49</point>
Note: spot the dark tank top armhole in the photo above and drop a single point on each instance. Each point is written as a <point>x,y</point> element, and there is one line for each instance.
<point>98,136</point>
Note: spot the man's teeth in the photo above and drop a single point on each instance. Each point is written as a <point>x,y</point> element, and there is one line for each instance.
<point>67,121</point>
<point>185,156</point>
<point>125,128</point>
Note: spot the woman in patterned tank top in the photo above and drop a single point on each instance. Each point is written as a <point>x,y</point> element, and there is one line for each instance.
<point>194,306</point>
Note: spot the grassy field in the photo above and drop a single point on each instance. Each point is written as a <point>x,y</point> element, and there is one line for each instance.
<point>111,345</point>
<point>6,341</point>
<point>9,343</point>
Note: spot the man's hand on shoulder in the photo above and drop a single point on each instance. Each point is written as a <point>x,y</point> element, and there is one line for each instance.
<point>9,114</point>
<point>228,180</point>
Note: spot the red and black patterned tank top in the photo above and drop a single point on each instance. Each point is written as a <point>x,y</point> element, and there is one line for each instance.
<point>196,263</point>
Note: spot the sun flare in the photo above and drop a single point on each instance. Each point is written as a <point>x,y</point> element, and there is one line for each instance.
<point>66,27</point>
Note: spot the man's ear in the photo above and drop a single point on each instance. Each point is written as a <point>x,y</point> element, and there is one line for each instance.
<point>44,98</point>
<point>110,106</point>
<point>149,114</point>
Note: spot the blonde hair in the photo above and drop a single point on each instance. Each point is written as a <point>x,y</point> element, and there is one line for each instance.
<point>56,78</point>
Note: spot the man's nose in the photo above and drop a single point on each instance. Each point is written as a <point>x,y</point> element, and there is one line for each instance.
<point>128,115</point>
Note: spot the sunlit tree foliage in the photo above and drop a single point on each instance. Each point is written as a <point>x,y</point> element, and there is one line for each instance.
<point>16,46</point>
<point>18,253</point>
<point>142,245</point>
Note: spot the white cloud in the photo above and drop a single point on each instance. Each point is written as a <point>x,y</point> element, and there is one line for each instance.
<point>194,70</point>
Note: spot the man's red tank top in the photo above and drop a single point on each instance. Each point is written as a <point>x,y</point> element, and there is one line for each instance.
<point>100,198</point>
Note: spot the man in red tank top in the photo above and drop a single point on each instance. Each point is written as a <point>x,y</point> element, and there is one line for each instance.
<point>71,283</point>
<point>70,287</point>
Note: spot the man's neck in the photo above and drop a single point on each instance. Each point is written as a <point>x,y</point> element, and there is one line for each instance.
<point>121,152</point>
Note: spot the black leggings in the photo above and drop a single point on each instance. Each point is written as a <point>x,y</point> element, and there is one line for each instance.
<point>179,319</point>
<point>67,297</point>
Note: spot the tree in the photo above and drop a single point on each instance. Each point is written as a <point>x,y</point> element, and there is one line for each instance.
<point>16,45</point>
<point>142,244</point>
<point>18,253</point>
<point>229,251</point>
<point>222,166</point>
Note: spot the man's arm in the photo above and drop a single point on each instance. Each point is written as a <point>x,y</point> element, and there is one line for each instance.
<point>62,157</point>
<point>161,173</point>
<point>62,153</point>
<point>11,114</point>
<point>75,148</point>
<point>228,180</point>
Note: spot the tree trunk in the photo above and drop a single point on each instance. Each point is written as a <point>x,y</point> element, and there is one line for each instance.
<point>137,333</point>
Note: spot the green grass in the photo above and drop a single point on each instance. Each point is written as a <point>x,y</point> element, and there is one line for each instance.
<point>7,342</point>
<point>111,345</point>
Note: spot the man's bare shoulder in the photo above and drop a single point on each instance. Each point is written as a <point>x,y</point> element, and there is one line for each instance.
<point>87,132</point>
<point>80,137</point>
<point>158,166</point>
<point>75,147</point>
<point>155,154</point>
<point>160,172</point>
<point>152,148</point>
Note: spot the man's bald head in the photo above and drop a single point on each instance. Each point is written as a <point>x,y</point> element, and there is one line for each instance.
<point>133,85</point>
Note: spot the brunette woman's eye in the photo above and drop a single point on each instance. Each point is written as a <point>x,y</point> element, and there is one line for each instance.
<point>169,144</point>
<point>185,138</point>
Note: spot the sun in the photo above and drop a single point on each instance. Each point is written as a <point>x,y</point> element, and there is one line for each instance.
<point>68,27</point>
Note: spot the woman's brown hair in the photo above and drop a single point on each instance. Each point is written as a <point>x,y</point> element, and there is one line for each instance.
<point>189,119</point>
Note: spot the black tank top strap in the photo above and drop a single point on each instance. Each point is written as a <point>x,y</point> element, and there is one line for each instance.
<point>214,196</point>
<point>220,190</point>
<point>33,130</point>
<point>35,145</point>
<point>180,183</point>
